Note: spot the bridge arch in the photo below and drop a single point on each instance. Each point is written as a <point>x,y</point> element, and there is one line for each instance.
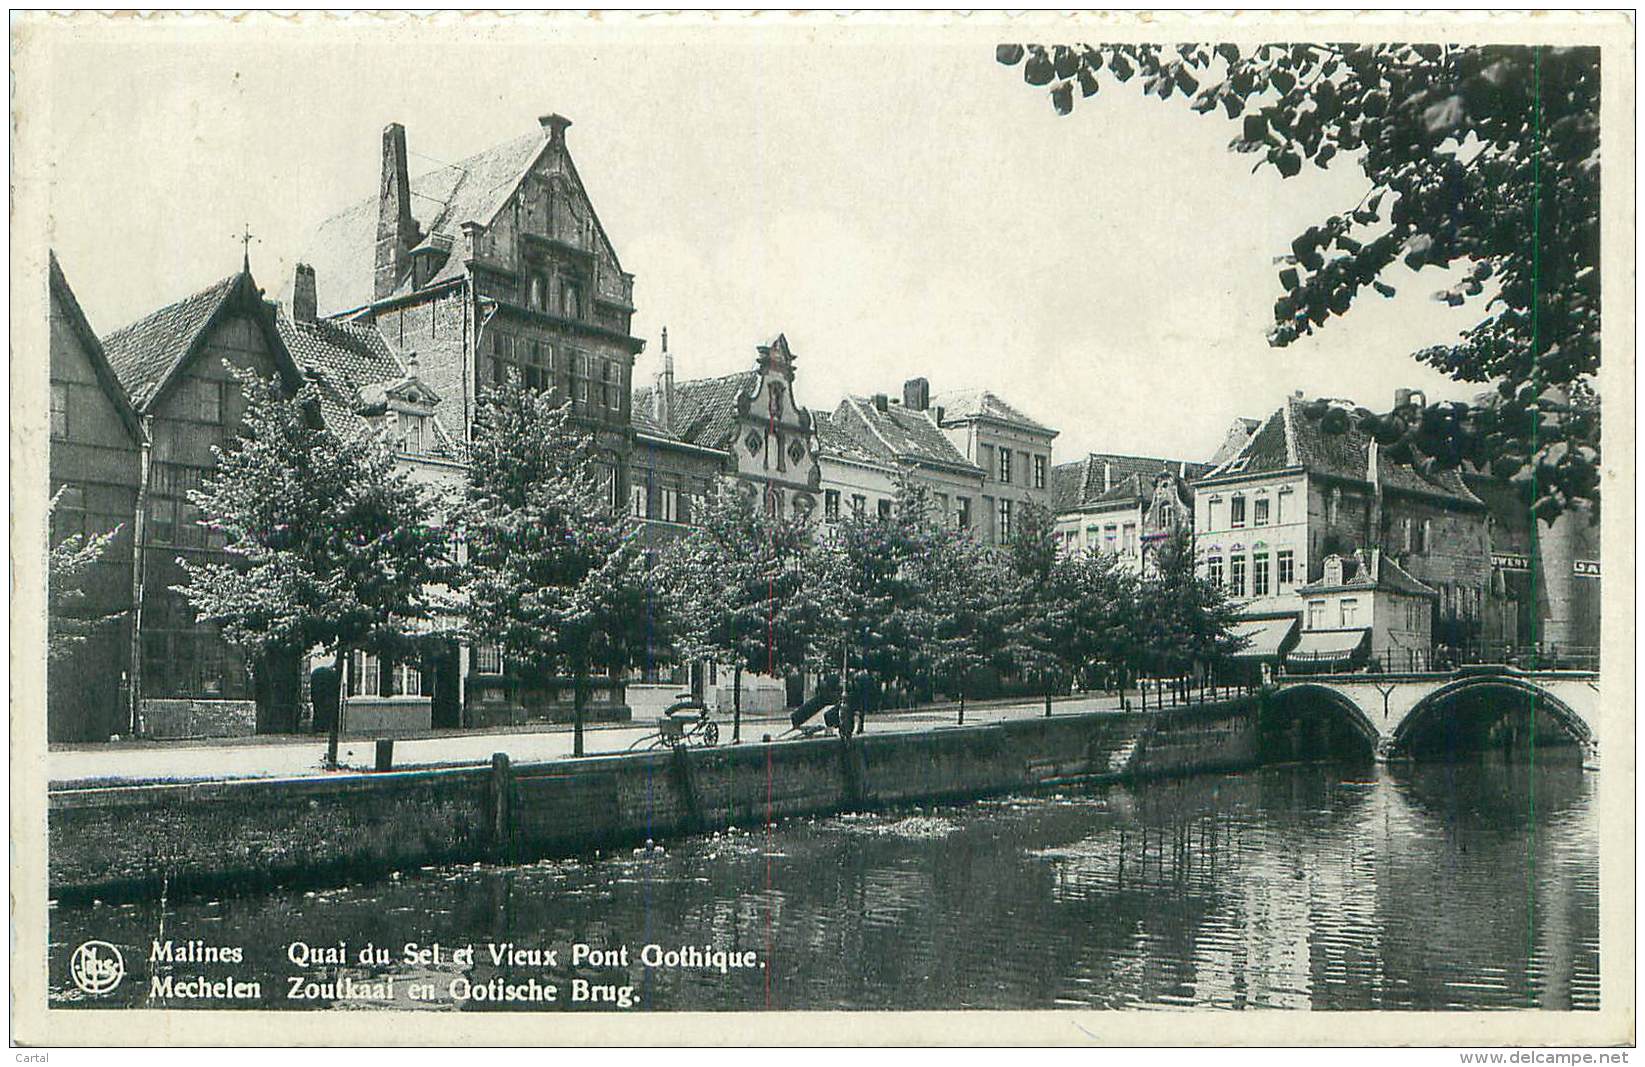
<point>1446,697</point>
<point>1291,704</point>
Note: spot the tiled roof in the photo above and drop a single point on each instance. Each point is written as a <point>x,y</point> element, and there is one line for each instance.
<point>1289,433</point>
<point>144,353</point>
<point>1383,573</point>
<point>705,410</point>
<point>834,440</point>
<point>980,403</point>
<point>643,408</point>
<point>93,348</point>
<point>1105,478</point>
<point>343,360</point>
<point>899,434</point>
<point>343,248</point>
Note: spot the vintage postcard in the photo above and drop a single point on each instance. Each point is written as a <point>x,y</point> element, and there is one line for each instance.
<point>612,527</point>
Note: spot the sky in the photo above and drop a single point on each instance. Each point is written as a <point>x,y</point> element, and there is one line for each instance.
<point>890,198</point>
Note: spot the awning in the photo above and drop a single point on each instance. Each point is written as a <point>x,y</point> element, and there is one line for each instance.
<point>1329,649</point>
<point>1267,638</point>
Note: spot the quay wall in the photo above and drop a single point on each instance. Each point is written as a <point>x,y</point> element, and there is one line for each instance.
<point>246,834</point>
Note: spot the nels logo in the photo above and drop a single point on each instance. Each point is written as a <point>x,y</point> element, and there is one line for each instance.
<point>97,967</point>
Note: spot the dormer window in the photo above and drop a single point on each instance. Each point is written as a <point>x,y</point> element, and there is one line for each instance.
<point>412,429</point>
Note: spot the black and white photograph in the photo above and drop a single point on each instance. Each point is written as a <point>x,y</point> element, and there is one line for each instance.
<point>595,517</point>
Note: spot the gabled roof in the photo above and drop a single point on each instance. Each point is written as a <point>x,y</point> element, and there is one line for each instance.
<point>1289,439</point>
<point>1104,479</point>
<point>1382,573</point>
<point>110,381</point>
<point>899,435</point>
<point>833,440</point>
<point>346,361</point>
<point>343,249</point>
<point>148,353</point>
<point>706,411</point>
<point>964,404</point>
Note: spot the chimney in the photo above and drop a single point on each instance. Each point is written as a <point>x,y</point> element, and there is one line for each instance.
<point>305,305</point>
<point>555,126</point>
<point>662,397</point>
<point>1297,394</point>
<point>396,229</point>
<point>1401,397</point>
<point>882,402</point>
<point>916,394</point>
<point>1107,476</point>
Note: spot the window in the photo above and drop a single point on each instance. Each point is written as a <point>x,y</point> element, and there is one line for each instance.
<point>1093,535</point>
<point>1279,505</point>
<point>579,389</point>
<point>1039,472</point>
<point>488,659</point>
<point>1005,466</point>
<point>636,501</point>
<point>1405,529</point>
<point>1166,515</point>
<point>885,509</point>
<point>1350,612</point>
<point>1259,511</point>
<point>669,499</point>
<point>571,299</point>
<point>1110,538</point>
<point>1316,614</point>
<point>1236,575</point>
<point>1236,511</point>
<point>1213,570</point>
<point>831,505</point>
<point>1212,519</point>
<point>1005,511</point>
<point>1335,513</point>
<point>859,504</point>
<point>1128,539</point>
<point>1259,575</point>
<point>1287,568</point>
<point>411,434</point>
<point>964,513</point>
<point>59,410</point>
<point>985,457</point>
<point>942,503</point>
<point>1427,535</point>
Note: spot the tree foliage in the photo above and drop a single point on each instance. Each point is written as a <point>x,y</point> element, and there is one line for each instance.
<point>1481,156</point>
<point>327,543</point>
<point>68,624</point>
<point>554,574</point>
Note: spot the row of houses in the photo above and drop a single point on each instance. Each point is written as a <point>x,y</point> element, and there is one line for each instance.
<point>405,307</point>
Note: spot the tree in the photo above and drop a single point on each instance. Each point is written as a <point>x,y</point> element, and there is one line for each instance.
<point>746,589</point>
<point>1042,634</point>
<point>874,599</point>
<point>554,575</point>
<point>1486,156</point>
<point>968,593</point>
<point>327,543</point>
<point>1188,620</point>
<point>70,559</point>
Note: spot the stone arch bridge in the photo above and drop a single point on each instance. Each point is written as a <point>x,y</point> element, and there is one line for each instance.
<point>1387,710</point>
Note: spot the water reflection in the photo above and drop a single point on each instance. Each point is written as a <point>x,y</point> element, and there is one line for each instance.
<point>1466,886</point>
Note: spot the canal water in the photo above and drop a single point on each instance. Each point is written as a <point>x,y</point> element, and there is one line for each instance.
<point>1466,886</point>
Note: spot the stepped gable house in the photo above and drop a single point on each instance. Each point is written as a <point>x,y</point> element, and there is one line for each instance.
<point>175,364</point>
<point>1122,505</point>
<point>95,461</point>
<point>746,426</point>
<point>490,268</point>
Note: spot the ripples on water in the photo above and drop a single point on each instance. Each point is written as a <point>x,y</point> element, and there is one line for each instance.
<point>1293,887</point>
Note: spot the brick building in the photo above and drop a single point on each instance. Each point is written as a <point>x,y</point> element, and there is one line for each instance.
<point>95,460</point>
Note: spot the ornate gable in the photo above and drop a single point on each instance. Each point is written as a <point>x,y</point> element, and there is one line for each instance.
<point>774,443</point>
